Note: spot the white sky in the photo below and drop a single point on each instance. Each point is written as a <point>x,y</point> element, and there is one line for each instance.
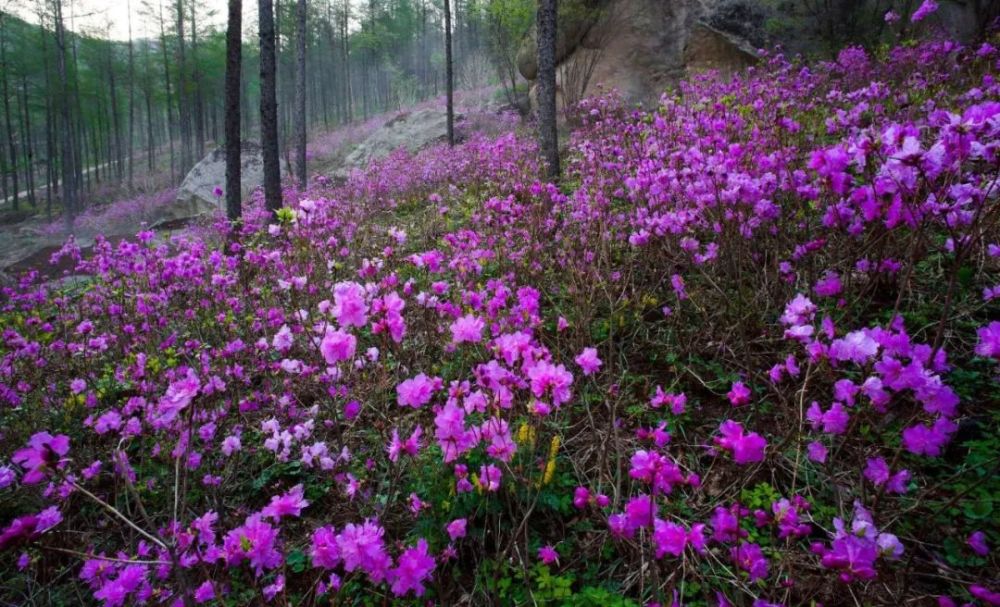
<point>110,18</point>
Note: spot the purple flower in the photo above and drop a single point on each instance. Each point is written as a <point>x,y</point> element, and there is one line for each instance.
<point>853,556</point>
<point>416,392</point>
<point>989,340</point>
<point>750,558</point>
<point>204,593</point>
<point>337,346</point>
<point>669,538</point>
<point>362,547</point>
<point>739,394</point>
<point>349,307</point>
<point>468,328</point>
<point>456,529</point>
<point>977,541</point>
<point>255,541</point>
<point>588,361</point>
<point>817,452</point>
<point>414,567</point>
<point>42,453</point>
<point>920,439</point>
<point>289,504</point>
<point>548,555</point>
<point>325,552</point>
<point>928,7</point>
<point>489,477</point>
<point>747,448</point>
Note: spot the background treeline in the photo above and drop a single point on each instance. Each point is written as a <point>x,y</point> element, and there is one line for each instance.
<point>89,114</point>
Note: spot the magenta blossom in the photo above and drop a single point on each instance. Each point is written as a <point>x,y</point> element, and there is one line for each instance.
<point>739,394</point>
<point>588,361</point>
<point>468,328</point>
<point>43,453</point>
<point>548,555</point>
<point>928,7</point>
<point>747,448</point>
<point>416,392</point>
<point>337,346</point>
<point>414,567</point>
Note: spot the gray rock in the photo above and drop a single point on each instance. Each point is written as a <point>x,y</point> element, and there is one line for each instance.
<point>643,47</point>
<point>196,196</point>
<point>410,130</point>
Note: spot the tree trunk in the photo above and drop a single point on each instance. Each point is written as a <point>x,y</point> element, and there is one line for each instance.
<point>449,74</point>
<point>118,155</point>
<point>199,104</point>
<point>29,151</point>
<point>183,109</point>
<point>131,98</point>
<point>234,62</point>
<point>269,108</point>
<point>4,71</point>
<point>166,82</point>
<point>68,162</point>
<point>547,135</point>
<point>300,94</point>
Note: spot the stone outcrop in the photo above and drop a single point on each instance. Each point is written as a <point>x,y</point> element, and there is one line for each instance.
<point>412,130</point>
<point>196,195</point>
<point>640,48</point>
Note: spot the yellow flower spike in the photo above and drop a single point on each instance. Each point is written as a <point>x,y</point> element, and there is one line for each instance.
<point>522,434</point>
<point>554,446</point>
<point>550,470</point>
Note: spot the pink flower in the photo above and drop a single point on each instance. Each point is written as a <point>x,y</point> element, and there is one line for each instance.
<point>410,446</point>
<point>42,453</point>
<point>362,547</point>
<point>817,452</point>
<point>283,339</point>
<point>349,307</point>
<point>178,396</point>
<point>676,402</point>
<point>977,541</point>
<point>325,552</point>
<point>589,361</point>
<point>750,558</point>
<point>255,541</point>
<point>416,392</point>
<point>581,496</point>
<point>746,448</point>
<point>414,568</point>
<point>548,378</point>
<point>989,340</point>
<point>489,477</point>
<point>829,285</point>
<point>548,555</point>
<point>337,346</point>
<point>456,529</point>
<point>669,538</point>
<point>856,346</point>
<point>468,328</point>
<point>928,440</point>
<point>289,504</point>
<point>114,592</point>
<point>204,593</point>
<point>739,394</point>
<point>928,7</point>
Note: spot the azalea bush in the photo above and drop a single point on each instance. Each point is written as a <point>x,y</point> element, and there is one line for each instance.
<point>746,352</point>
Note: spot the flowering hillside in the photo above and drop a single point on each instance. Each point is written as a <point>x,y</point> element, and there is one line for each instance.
<point>746,353</point>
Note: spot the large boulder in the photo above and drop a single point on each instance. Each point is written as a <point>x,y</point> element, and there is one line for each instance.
<point>196,196</point>
<point>641,48</point>
<point>412,130</point>
<point>573,27</point>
